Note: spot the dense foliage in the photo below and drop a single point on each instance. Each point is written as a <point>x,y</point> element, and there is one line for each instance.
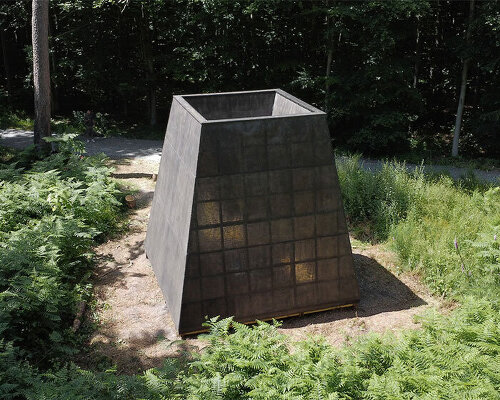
<point>387,71</point>
<point>52,211</point>
<point>448,232</point>
<point>454,357</point>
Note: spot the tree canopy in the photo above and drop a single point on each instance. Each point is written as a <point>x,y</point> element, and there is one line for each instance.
<point>388,72</point>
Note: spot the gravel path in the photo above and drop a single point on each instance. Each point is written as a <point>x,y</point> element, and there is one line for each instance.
<point>119,147</point>
<point>456,173</point>
<point>113,147</point>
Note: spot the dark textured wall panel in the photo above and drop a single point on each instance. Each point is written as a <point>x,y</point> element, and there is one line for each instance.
<point>168,228</point>
<point>233,105</point>
<point>267,232</point>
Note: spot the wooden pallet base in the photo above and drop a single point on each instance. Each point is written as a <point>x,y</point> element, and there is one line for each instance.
<point>277,318</point>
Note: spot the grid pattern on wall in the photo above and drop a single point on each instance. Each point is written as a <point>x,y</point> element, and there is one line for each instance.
<point>268,236</point>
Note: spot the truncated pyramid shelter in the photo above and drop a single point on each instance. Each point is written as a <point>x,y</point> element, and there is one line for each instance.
<point>247,219</point>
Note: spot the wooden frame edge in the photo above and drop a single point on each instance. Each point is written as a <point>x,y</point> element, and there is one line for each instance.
<point>278,317</point>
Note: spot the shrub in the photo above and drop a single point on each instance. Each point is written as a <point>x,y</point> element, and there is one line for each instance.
<point>453,357</point>
<point>425,241</point>
<point>104,125</point>
<point>381,198</point>
<point>51,214</point>
<point>14,119</point>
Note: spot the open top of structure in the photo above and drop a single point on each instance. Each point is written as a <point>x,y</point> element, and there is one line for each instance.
<point>261,104</point>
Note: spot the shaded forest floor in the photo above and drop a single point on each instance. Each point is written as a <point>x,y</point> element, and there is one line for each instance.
<point>135,331</point>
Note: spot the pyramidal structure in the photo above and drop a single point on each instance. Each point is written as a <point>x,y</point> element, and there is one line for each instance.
<point>247,218</point>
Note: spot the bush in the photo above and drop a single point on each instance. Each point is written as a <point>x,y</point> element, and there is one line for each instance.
<point>380,199</point>
<point>20,380</point>
<point>16,376</point>
<point>104,125</point>
<point>51,215</point>
<point>14,119</point>
<point>454,357</point>
<point>425,241</point>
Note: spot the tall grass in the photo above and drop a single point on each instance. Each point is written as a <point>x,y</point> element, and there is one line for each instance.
<point>446,231</point>
<point>378,200</point>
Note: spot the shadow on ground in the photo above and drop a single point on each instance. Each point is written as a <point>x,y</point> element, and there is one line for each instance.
<point>129,358</point>
<point>135,330</point>
<point>148,343</point>
<point>380,292</point>
<point>111,271</point>
<point>133,175</point>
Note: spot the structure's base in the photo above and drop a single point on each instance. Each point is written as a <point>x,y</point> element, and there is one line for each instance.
<point>354,305</point>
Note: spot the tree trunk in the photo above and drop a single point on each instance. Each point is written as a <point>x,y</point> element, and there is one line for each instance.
<point>463,85</point>
<point>152,105</point>
<point>124,106</point>
<point>437,28</point>
<point>329,55</point>
<point>147,53</point>
<point>54,98</point>
<point>54,91</point>
<point>6,64</point>
<point>41,72</point>
<point>417,54</point>
<point>329,59</point>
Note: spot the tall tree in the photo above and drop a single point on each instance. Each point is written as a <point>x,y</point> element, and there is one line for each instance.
<point>380,66</point>
<point>41,71</point>
<point>6,63</point>
<point>329,54</point>
<point>463,84</point>
<point>147,54</point>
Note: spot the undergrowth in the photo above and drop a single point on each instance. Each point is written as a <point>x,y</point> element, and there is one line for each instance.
<point>447,231</point>
<point>450,357</point>
<point>10,119</point>
<point>52,212</point>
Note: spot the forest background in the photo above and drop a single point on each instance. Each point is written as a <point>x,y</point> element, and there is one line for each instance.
<point>388,73</point>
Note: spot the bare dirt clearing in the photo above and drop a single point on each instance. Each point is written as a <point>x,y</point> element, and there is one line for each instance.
<point>134,328</point>
<point>388,302</point>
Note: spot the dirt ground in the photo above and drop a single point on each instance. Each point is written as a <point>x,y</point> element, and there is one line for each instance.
<point>134,328</point>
